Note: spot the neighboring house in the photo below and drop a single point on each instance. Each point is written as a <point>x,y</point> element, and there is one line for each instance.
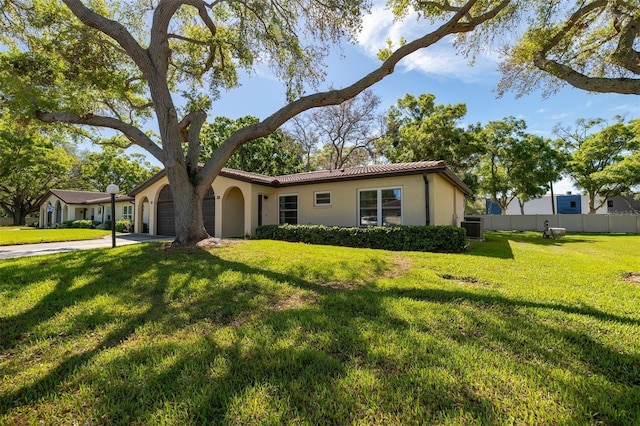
<point>624,205</point>
<point>420,193</point>
<point>565,204</point>
<point>63,205</point>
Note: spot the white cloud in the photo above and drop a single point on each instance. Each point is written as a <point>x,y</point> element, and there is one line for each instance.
<point>561,115</point>
<point>626,108</point>
<point>439,60</point>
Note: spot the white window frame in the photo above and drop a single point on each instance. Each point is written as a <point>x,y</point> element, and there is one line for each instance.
<point>297,207</point>
<point>315,199</point>
<point>125,215</point>
<point>379,204</point>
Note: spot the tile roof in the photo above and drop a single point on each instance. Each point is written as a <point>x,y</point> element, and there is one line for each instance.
<point>86,197</point>
<point>374,170</point>
<point>361,172</point>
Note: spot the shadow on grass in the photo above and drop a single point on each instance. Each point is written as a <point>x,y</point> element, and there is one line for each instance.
<point>221,351</point>
<point>496,243</point>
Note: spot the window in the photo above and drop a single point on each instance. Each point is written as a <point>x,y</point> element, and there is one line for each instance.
<point>127,212</point>
<point>380,207</point>
<point>288,209</point>
<point>609,203</point>
<point>573,204</point>
<point>322,198</point>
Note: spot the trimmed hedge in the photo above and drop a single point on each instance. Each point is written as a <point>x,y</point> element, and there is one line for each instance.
<point>448,239</point>
<point>122,225</point>
<point>81,223</point>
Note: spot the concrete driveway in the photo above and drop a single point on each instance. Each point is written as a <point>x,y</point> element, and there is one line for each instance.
<point>22,250</point>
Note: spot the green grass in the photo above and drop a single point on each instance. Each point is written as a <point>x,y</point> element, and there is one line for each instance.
<point>520,330</point>
<point>10,235</point>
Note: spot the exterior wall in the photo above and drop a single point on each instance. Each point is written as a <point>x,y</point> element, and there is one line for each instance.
<point>343,210</point>
<point>261,203</point>
<point>446,202</point>
<point>221,186</point>
<point>70,212</point>
<point>618,205</point>
<point>149,195</point>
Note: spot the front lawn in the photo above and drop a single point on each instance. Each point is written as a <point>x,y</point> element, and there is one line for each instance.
<point>10,235</point>
<point>520,330</point>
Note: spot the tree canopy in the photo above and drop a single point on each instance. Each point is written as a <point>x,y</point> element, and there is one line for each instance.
<point>515,163</point>
<point>116,64</point>
<point>418,129</point>
<point>605,159</point>
<point>113,165</point>
<point>272,155</point>
<point>30,164</point>
<point>592,45</point>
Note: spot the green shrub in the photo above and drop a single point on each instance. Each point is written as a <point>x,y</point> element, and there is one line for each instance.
<point>124,225</point>
<point>449,239</point>
<point>104,225</point>
<point>82,223</point>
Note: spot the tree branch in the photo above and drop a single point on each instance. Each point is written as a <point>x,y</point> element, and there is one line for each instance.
<point>134,134</point>
<point>625,55</point>
<point>190,128</point>
<point>622,85</point>
<point>335,97</point>
<point>113,29</point>
<point>564,72</point>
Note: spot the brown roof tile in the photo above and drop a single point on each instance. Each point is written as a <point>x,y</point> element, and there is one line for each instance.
<point>86,197</point>
<point>362,172</point>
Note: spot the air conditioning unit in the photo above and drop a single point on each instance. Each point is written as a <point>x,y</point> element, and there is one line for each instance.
<point>474,227</point>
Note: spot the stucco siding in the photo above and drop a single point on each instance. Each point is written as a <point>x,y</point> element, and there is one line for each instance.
<point>244,205</point>
<point>343,210</point>
<point>446,202</point>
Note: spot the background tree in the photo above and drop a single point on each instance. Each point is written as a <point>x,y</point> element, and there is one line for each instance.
<point>418,129</point>
<point>272,155</point>
<point>605,162</point>
<point>346,133</point>
<point>514,163</point>
<point>307,139</point>
<point>116,64</point>
<point>540,163</point>
<point>113,165</point>
<point>592,45</point>
<point>30,165</point>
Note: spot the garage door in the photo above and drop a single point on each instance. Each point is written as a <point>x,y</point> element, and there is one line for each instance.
<point>165,212</point>
<point>166,225</point>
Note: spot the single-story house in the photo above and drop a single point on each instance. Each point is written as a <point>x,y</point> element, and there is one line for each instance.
<point>419,193</point>
<point>61,205</point>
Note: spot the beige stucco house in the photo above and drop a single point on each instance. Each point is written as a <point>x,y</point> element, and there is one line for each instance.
<point>62,205</point>
<point>419,193</point>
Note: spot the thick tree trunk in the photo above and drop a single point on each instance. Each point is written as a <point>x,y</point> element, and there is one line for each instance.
<point>187,202</point>
<point>592,203</point>
<point>20,218</point>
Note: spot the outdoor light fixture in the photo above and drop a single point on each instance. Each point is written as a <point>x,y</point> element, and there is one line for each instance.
<point>113,190</point>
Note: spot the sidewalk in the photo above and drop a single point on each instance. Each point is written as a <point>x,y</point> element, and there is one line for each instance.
<point>22,250</point>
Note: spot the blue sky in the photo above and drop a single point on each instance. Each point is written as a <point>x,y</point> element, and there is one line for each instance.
<point>438,70</point>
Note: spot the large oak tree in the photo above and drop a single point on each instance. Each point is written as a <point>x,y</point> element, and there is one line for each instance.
<point>115,65</point>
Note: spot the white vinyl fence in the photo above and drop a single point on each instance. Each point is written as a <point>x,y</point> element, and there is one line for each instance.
<point>8,221</point>
<point>605,223</point>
